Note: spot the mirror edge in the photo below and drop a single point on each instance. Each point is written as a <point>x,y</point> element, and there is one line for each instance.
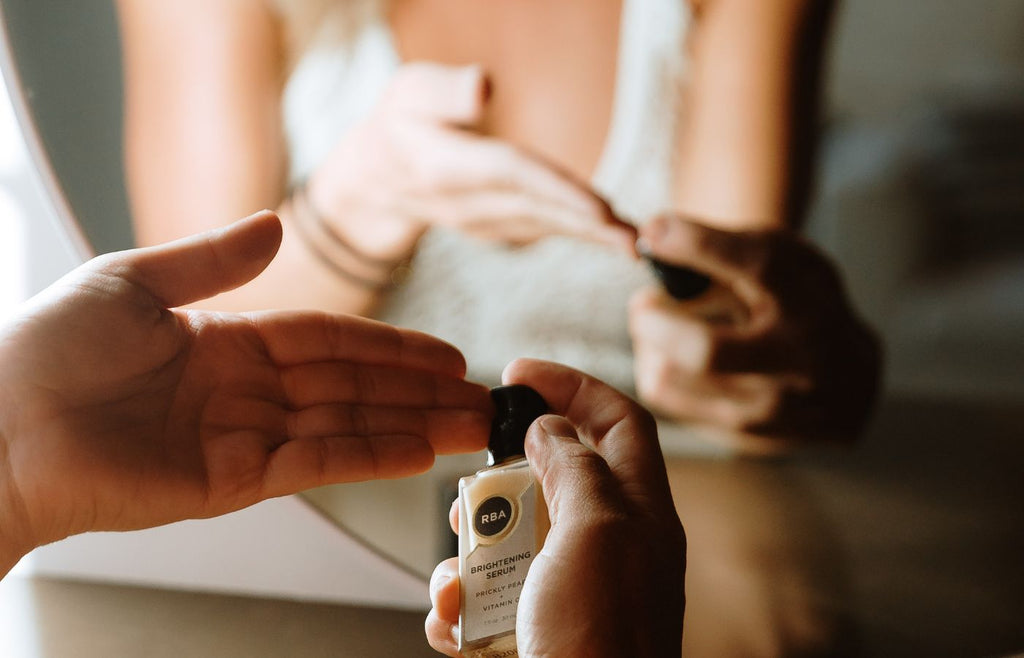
<point>69,229</point>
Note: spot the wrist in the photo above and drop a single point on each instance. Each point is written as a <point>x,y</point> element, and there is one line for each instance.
<point>335,251</point>
<point>372,229</point>
<point>14,543</point>
<point>15,535</point>
<point>377,268</point>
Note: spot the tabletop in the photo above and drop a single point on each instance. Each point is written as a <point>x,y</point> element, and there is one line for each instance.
<point>909,544</point>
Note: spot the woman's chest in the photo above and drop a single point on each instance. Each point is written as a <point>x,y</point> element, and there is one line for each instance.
<point>552,65</point>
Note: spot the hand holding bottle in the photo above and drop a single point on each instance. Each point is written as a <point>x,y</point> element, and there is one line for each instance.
<point>609,580</point>
<point>118,413</point>
<point>787,362</point>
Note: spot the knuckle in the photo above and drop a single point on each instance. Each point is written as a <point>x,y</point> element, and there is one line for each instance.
<point>358,421</point>
<point>106,263</point>
<point>578,463</point>
<point>612,521</point>
<point>765,411</point>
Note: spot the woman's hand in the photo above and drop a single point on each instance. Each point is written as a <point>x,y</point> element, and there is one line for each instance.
<point>795,365</point>
<point>419,161</point>
<point>117,413</point>
<point>609,579</point>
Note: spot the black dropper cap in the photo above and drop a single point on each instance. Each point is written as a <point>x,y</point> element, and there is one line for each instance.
<point>680,282</point>
<point>516,407</point>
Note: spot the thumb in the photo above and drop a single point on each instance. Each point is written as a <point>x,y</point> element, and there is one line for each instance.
<point>725,255</point>
<point>203,265</point>
<point>578,484</point>
<point>455,95</point>
<point>736,259</point>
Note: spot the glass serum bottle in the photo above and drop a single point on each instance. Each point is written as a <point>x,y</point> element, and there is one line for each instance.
<point>502,525</point>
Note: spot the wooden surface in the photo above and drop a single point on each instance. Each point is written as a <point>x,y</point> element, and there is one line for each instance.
<point>911,544</point>
<point>63,619</point>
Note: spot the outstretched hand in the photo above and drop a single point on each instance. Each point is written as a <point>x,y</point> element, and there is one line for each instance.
<point>117,413</point>
<point>609,579</point>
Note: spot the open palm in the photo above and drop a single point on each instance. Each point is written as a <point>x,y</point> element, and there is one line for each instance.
<point>119,413</point>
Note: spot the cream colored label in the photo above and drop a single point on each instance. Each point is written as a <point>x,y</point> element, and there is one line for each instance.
<point>502,546</point>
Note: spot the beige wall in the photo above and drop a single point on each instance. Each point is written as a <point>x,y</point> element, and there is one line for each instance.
<point>888,54</point>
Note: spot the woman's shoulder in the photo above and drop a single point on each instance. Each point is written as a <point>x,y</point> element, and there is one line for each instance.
<point>306,24</point>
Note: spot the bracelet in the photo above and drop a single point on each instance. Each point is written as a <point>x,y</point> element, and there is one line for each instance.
<point>339,254</point>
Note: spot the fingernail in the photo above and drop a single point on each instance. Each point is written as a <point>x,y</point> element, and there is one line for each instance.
<point>437,584</point>
<point>439,581</point>
<point>455,634</point>
<point>258,214</point>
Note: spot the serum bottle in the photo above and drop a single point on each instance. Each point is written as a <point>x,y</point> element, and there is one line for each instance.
<point>502,525</point>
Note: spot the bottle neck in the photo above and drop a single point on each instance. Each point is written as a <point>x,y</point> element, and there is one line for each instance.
<point>508,459</point>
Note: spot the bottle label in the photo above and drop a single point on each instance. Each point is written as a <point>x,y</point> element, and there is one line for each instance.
<point>492,517</point>
<point>504,544</point>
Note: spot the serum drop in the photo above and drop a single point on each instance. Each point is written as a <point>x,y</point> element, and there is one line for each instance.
<point>502,525</point>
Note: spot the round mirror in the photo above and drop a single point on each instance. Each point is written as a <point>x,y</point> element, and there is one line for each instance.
<point>65,67</point>
<point>919,200</point>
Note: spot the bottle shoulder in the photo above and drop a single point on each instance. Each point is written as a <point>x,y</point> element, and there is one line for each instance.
<point>511,475</point>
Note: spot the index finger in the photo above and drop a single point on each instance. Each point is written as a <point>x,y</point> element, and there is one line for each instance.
<point>467,160</point>
<point>618,429</point>
<point>736,259</point>
<point>299,337</point>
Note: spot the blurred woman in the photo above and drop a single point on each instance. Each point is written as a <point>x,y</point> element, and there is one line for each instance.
<point>480,171</point>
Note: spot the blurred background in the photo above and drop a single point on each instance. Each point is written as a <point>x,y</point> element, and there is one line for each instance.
<point>921,185</point>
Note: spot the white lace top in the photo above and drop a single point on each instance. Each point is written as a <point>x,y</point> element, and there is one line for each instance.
<point>560,299</point>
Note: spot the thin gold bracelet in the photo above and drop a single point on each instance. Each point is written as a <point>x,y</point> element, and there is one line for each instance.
<point>337,253</point>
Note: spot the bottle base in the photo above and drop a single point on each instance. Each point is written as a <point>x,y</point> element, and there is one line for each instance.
<point>498,647</point>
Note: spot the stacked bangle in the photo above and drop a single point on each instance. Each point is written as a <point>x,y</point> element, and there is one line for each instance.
<point>336,252</point>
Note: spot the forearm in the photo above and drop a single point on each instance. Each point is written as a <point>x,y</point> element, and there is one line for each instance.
<point>205,145</point>
<point>747,142</point>
<point>301,276</point>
